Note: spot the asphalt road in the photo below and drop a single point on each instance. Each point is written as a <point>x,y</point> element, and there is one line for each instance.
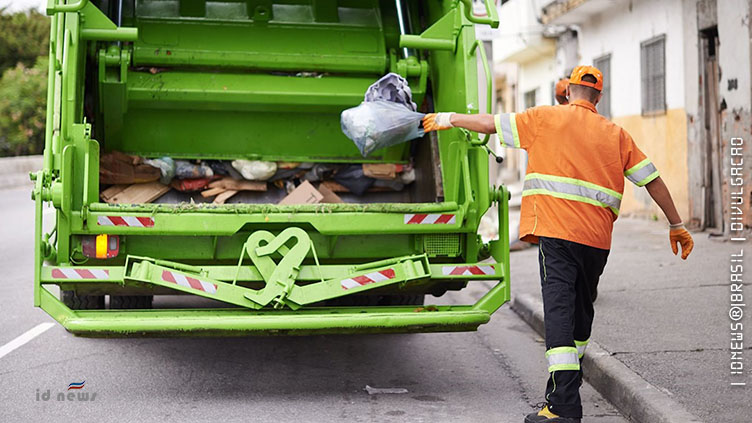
<point>494,375</point>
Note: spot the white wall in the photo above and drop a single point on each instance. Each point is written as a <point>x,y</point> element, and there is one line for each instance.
<point>567,53</point>
<point>518,29</point>
<point>619,32</point>
<point>734,52</point>
<point>538,74</point>
<point>691,57</point>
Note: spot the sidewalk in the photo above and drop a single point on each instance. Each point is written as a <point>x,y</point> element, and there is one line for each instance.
<point>665,319</point>
<point>14,171</point>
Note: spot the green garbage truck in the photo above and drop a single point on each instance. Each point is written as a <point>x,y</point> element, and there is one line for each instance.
<point>262,80</point>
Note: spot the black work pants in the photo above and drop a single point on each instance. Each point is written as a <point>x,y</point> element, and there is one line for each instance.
<point>569,279</point>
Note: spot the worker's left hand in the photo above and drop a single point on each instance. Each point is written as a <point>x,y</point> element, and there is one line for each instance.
<point>679,235</point>
<point>437,122</point>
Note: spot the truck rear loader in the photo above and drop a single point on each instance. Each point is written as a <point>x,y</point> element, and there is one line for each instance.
<point>262,80</point>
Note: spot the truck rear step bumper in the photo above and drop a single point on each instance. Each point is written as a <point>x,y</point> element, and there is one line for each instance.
<point>244,322</point>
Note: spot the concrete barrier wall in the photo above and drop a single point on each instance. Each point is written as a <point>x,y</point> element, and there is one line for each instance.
<point>14,171</point>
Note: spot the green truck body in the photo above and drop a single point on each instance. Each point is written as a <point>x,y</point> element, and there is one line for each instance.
<point>262,80</point>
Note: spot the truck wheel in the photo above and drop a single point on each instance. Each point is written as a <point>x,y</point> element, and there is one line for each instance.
<point>130,301</point>
<point>82,302</point>
<point>403,299</point>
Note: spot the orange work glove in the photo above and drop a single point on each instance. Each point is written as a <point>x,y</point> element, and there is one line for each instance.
<point>437,122</point>
<point>678,235</point>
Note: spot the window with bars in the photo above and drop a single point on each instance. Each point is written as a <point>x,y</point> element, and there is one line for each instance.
<point>603,63</point>
<point>653,73</point>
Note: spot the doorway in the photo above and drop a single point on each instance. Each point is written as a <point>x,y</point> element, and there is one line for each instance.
<point>712,190</point>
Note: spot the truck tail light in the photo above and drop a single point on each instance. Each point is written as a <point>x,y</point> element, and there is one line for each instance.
<point>101,246</point>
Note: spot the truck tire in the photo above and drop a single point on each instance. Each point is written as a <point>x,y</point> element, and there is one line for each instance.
<point>82,302</point>
<point>123,302</point>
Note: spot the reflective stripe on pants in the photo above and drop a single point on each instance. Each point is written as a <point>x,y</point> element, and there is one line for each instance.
<point>562,358</point>
<point>581,347</point>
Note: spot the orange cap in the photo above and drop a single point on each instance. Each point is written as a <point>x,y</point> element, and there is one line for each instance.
<point>580,71</point>
<point>561,87</point>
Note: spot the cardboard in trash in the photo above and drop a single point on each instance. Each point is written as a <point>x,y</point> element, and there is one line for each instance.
<point>305,193</point>
<point>229,183</point>
<point>385,171</point>
<point>224,196</point>
<point>329,195</point>
<point>110,192</point>
<point>139,193</point>
<point>120,168</point>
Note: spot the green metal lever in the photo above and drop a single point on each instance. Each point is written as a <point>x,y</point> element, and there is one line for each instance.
<point>489,85</point>
<point>96,25</point>
<point>280,289</point>
<point>442,35</point>
<point>53,7</point>
<point>492,17</point>
<point>280,277</point>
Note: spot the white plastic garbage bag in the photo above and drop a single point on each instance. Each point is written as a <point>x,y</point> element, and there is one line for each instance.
<point>391,87</point>
<point>378,124</point>
<point>255,170</point>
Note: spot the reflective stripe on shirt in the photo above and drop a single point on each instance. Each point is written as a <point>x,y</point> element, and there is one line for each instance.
<point>642,173</point>
<point>572,189</point>
<point>506,127</point>
<point>562,358</point>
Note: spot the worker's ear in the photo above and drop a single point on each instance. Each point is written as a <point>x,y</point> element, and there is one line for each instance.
<point>598,100</point>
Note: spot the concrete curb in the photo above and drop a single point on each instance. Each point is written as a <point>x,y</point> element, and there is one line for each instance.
<point>14,171</point>
<point>635,397</point>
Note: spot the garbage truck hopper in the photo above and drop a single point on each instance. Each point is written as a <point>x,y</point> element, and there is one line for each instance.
<point>139,88</point>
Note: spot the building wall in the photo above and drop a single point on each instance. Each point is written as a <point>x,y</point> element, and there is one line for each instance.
<point>537,75</point>
<point>519,28</point>
<point>620,32</point>
<point>663,137</point>
<point>736,95</point>
<point>695,141</point>
<point>567,53</point>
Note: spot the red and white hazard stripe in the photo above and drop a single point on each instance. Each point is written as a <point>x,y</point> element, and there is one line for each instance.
<point>132,221</point>
<point>429,219</point>
<point>74,273</point>
<point>467,270</point>
<point>381,275</point>
<point>189,282</point>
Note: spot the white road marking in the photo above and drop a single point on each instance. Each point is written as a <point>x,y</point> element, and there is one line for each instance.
<point>24,338</point>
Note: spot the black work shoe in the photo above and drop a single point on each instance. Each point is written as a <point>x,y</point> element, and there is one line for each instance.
<point>546,416</point>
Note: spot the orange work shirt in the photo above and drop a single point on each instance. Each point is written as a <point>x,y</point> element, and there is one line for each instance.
<point>577,161</point>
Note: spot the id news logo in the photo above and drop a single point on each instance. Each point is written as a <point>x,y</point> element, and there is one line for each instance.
<point>75,392</point>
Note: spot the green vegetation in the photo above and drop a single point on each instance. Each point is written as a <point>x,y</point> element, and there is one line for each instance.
<point>24,44</point>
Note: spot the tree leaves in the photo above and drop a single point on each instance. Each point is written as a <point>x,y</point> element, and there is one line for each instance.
<point>24,44</point>
<point>22,109</point>
<point>24,36</point>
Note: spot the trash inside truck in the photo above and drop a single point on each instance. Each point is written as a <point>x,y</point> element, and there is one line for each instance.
<point>243,99</point>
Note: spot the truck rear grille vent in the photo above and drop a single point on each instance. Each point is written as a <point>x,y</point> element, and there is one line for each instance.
<point>442,245</point>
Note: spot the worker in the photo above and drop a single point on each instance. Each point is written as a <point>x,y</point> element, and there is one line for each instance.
<point>561,91</point>
<point>571,195</point>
